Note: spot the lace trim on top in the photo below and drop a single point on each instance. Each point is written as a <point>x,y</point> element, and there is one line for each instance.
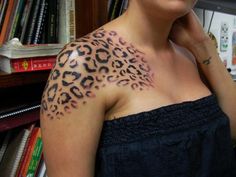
<point>160,121</point>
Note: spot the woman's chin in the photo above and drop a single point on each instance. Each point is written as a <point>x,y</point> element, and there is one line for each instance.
<point>178,11</point>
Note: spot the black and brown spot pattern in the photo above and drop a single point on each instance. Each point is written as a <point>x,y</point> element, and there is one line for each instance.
<point>105,58</point>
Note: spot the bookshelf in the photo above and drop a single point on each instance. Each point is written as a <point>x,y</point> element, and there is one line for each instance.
<point>19,91</point>
<point>89,16</point>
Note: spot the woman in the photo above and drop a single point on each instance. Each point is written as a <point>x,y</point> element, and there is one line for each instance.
<point>127,101</point>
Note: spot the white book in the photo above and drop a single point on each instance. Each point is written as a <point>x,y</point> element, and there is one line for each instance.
<point>12,156</point>
<point>42,170</point>
<point>19,152</point>
<point>67,30</point>
<point>14,49</point>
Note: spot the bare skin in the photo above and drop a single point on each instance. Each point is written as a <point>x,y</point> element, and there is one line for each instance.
<point>97,78</point>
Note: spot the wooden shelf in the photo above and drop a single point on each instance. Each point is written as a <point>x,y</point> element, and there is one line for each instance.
<point>18,79</point>
<point>19,120</point>
<point>18,88</point>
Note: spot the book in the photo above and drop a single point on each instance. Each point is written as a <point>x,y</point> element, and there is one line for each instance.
<point>12,17</point>
<point>70,10</point>
<point>6,21</point>
<point>15,49</point>
<point>67,26</point>
<point>111,7</point>
<point>13,154</point>
<point>24,20</point>
<point>41,22</point>
<point>33,22</point>
<point>29,148</point>
<point>3,13</point>
<point>13,31</point>
<point>26,64</point>
<point>36,156</point>
<point>22,144</point>
<point>5,144</point>
<point>116,9</point>
<point>41,167</point>
<point>51,36</point>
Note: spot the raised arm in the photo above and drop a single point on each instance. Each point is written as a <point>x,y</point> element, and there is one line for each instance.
<point>72,115</point>
<point>188,32</point>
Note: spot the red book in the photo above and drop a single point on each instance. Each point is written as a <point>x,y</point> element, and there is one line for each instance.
<point>28,153</point>
<point>6,21</point>
<point>27,64</point>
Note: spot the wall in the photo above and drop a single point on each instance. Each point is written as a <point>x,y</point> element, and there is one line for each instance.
<point>218,19</point>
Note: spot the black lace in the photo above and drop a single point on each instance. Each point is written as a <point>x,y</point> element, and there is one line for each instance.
<point>164,120</point>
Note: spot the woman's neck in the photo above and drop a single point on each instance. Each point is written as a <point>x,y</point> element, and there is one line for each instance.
<point>146,30</point>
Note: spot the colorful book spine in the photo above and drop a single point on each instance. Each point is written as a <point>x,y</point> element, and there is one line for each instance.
<point>6,21</point>
<point>19,153</point>
<point>3,13</point>
<point>36,156</point>
<point>12,18</point>
<point>28,153</point>
<point>27,64</point>
<point>24,20</point>
<point>17,17</point>
<point>42,15</point>
<point>33,23</point>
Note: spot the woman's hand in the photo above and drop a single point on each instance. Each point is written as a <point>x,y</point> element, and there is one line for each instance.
<point>188,32</point>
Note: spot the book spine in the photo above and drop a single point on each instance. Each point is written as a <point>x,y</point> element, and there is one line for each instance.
<point>33,64</point>
<point>42,170</point>
<point>16,21</point>
<point>27,64</point>
<point>35,157</point>
<point>72,20</point>
<point>25,169</point>
<point>51,26</point>
<point>6,21</point>
<point>114,9</point>
<point>19,153</point>
<point>40,21</point>
<point>110,10</point>
<point>5,144</point>
<point>33,23</point>
<point>63,23</point>
<point>28,153</point>
<point>122,7</point>
<point>3,13</point>
<point>126,5</point>
<point>12,19</point>
<point>30,128</point>
<point>25,19</point>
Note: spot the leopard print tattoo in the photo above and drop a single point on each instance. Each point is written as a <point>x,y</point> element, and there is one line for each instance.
<point>105,58</point>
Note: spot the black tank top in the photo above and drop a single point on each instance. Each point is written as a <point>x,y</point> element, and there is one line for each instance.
<point>188,139</point>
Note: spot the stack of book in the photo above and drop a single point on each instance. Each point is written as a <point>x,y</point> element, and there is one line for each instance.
<point>37,21</point>
<point>15,57</point>
<point>21,153</point>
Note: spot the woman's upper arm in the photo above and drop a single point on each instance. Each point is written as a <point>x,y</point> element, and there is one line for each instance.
<point>72,115</point>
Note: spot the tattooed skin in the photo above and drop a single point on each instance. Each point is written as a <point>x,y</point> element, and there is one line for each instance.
<point>105,58</point>
<point>207,61</point>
